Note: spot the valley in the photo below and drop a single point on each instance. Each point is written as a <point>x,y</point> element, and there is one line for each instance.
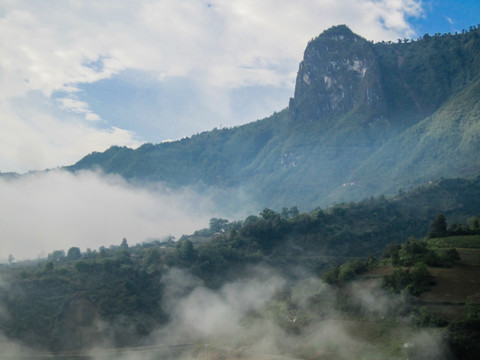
<point>361,239</point>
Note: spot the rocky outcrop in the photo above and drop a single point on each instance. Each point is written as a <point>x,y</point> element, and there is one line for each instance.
<point>339,73</point>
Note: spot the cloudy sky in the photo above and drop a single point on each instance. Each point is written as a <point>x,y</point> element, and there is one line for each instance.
<point>78,76</point>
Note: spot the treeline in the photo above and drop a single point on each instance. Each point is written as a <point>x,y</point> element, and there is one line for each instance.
<point>57,303</point>
<point>414,251</point>
<point>441,229</point>
<point>323,238</point>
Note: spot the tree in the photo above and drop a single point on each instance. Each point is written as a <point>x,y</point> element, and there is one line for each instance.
<point>268,214</point>
<point>331,275</point>
<point>473,223</point>
<point>421,279</point>
<point>293,211</point>
<point>152,260</point>
<point>250,220</point>
<point>124,243</point>
<point>450,257</point>
<point>74,253</point>
<point>218,225</point>
<point>289,213</point>
<point>48,266</point>
<point>57,255</point>
<point>186,252</point>
<point>398,280</point>
<point>412,251</point>
<point>439,227</point>
<point>416,282</point>
<point>392,252</point>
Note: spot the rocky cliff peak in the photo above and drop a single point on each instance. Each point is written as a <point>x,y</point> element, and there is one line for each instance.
<point>339,72</point>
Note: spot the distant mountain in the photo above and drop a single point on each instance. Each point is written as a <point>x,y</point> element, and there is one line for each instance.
<point>366,119</point>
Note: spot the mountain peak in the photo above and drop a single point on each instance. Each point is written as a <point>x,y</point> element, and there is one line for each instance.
<point>339,73</point>
<point>338,32</point>
<point>339,35</point>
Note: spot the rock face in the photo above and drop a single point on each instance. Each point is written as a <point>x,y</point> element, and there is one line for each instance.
<point>339,73</point>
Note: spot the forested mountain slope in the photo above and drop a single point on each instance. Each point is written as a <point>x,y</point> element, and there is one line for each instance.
<point>366,118</point>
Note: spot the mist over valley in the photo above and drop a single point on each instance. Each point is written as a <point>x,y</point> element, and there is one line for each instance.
<point>344,226</point>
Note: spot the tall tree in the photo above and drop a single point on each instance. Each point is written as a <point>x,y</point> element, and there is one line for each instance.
<point>439,227</point>
<point>74,253</point>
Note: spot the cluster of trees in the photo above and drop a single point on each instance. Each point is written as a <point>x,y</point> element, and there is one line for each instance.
<point>410,261</point>
<point>317,240</point>
<point>440,229</point>
<point>414,282</point>
<point>349,270</point>
<point>414,251</point>
<point>56,304</point>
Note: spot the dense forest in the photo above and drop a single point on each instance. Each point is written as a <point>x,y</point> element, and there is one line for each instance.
<point>74,300</point>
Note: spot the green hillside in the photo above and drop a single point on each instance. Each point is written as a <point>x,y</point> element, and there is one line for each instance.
<point>254,289</point>
<point>431,149</point>
<point>366,119</point>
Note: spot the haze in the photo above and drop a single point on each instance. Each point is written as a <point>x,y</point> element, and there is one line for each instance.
<point>56,210</point>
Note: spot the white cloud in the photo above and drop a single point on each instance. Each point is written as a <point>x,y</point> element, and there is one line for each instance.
<point>79,107</point>
<point>57,210</point>
<point>56,46</point>
<point>35,136</point>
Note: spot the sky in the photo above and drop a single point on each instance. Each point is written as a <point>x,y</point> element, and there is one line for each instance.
<point>79,76</point>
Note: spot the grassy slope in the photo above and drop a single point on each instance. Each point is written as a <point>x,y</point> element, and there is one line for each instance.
<point>447,297</point>
<point>453,285</point>
<point>386,336</point>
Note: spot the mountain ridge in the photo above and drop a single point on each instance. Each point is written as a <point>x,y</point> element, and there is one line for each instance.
<point>366,118</point>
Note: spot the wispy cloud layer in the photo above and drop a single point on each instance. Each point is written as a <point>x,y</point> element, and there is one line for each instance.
<point>57,210</point>
<point>49,49</point>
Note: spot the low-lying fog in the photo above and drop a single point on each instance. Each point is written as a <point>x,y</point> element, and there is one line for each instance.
<point>55,210</point>
<point>248,319</point>
<point>42,212</point>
